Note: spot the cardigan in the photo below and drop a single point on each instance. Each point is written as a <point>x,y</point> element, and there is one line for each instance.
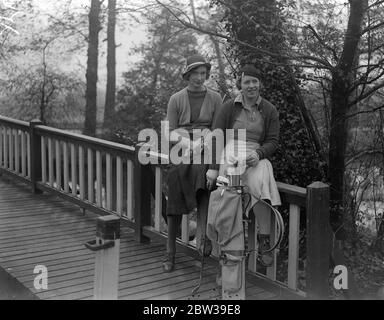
<point>269,138</point>
<point>185,180</point>
<point>179,110</point>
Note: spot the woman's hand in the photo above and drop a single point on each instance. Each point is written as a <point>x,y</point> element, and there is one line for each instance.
<point>196,147</point>
<point>253,159</point>
<point>211,178</point>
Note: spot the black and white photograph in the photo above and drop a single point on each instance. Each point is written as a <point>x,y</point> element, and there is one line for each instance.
<point>191,155</point>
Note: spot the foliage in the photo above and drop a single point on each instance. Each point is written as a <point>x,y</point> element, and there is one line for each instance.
<point>366,265</point>
<point>309,54</point>
<point>296,161</point>
<point>142,99</point>
<point>135,112</point>
<point>34,84</point>
<point>12,12</point>
<point>305,44</point>
<point>22,95</point>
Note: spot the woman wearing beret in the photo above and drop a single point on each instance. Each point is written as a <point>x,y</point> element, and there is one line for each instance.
<point>260,120</point>
<point>194,107</point>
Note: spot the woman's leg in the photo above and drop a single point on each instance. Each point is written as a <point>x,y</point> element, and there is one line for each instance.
<point>263,216</point>
<point>202,215</point>
<point>173,226</point>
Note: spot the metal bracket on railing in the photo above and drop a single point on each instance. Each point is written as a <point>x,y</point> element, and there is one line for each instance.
<point>93,246</point>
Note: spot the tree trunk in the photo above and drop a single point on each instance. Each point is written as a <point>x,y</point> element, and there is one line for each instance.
<point>92,66</point>
<point>379,243</point>
<point>342,79</point>
<point>42,98</point>
<point>337,147</point>
<point>157,66</point>
<point>42,102</point>
<point>222,77</point>
<point>109,109</point>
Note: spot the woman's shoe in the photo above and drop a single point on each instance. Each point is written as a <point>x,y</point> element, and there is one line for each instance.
<point>169,263</point>
<point>264,258</point>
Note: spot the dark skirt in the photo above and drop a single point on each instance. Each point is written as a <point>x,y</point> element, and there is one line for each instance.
<point>184,181</point>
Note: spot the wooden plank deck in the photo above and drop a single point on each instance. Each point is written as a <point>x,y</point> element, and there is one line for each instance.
<point>45,230</point>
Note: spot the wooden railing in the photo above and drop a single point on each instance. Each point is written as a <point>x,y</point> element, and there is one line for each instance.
<point>106,177</point>
<point>313,200</point>
<point>15,153</point>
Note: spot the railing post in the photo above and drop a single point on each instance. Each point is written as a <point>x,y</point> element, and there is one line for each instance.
<point>35,150</point>
<point>107,248</point>
<point>142,197</point>
<point>318,241</point>
<point>1,148</point>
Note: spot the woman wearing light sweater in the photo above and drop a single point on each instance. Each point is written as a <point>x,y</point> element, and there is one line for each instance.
<point>194,107</point>
<point>260,120</point>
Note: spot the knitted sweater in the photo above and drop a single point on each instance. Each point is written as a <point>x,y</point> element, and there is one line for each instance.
<point>179,110</point>
<point>270,136</point>
<point>184,180</point>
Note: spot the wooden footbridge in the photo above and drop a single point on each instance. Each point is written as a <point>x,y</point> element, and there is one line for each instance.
<point>53,186</point>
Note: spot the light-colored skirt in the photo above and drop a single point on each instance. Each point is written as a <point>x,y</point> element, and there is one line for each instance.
<point>259,180</point>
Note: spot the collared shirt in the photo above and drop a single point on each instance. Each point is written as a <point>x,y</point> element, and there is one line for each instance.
<point>269,139</point>
<point>240,99</point>
<point>251,119</point>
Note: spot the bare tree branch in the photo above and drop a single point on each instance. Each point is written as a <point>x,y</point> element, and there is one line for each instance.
<point>322,42</point>
<point>367,93</point>
<point>365,111</point>
<point>374,49</point>
<point>375,78</point>
<point>325,64</point>
<point>373,27</point>
<point>69,27</point>
<point>377,3</point>
<point>121,9</point>
<point>364,153</point>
